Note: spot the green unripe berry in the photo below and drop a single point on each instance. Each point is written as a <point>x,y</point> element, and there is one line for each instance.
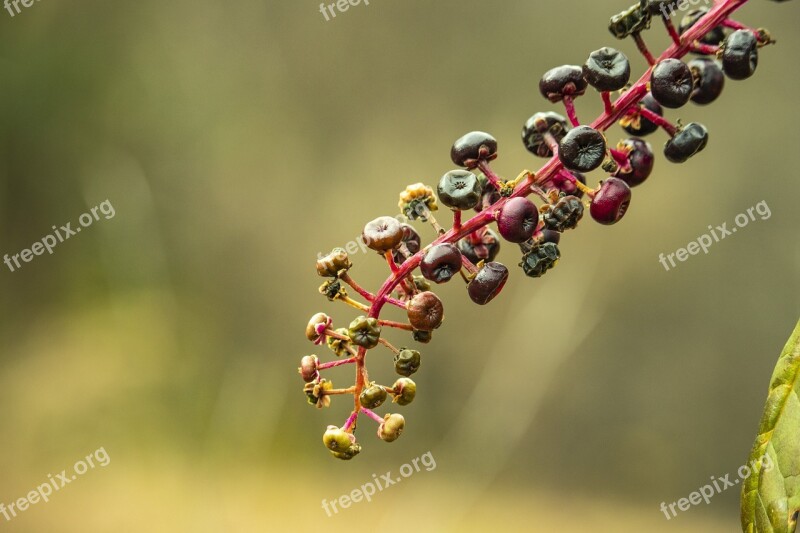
<point>407,362</point>
<point>372,397</point>
<point>365,332</point>
<point>404,391</point>
<point>391,427</point>
<point>336,439</point>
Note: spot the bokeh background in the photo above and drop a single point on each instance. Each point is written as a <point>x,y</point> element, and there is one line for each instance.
<point>236,141</point>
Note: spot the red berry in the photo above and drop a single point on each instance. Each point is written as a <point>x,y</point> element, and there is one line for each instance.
<point>441,263</point>
<point>611,201</point>
<point>641,160</point>
<point>518,220</point>
<point>487,283</point>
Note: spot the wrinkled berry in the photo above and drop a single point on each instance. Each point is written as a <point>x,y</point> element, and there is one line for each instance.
<point>671,83</point>
<point>686,143</point>
<point>425,311</point>
<point>481,245</point>
<point>607,69</point>
<point>582,149</point>
<point>441,263</point>
<point>316,393</point>
<point>640,158</point>
<point>633,20</point>
<point>487,283</point>
<point>459,190</point>
<point>709,80</point>
<point>535,128</point>
<point>566,80</point>
<point>417,201</point>
<point>611,201</point>
<point>338,346</point>
<point>407,362</point>
<point>740,55</point>
<point>713,37</point>
<point>382,234</point>
<point>404,391</point>
<point>540,259</point>
<point>391,427</point>
<point>334,263</point>
<point>518,219</point>
<point>372,396</point>
<point>472,148</point>
<point>637,125</point>
<point>564,214</point>
<point>365,332</point>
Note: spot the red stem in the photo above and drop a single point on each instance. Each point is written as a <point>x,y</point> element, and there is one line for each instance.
<point>673,33</point>
<point>659,121</point>
<point>640,44</point>
<point>609,107</point>
<point>493,178</point>
<point>373,415</point>
<point>332,364</point>
<point>569,105</point>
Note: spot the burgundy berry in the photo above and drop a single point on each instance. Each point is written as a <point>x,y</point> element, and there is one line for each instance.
<point>611,201</point>
<point>441,263</point>
<point>489,194</point>
<point>641,160</point>
<point>709,80</point>
<point>425,311</point>
<point>566,185</point>
<point>481,245</point>
<point>714,37</point>
<point>635,124</point>
<point>382,234</point>
<point>607,69</point>
<point>686,143</point>
<point>459,190</point>
<point>472,148</point>
<point>582,149</point>
<point>564,214</point>
<point>487,283</point>
<point>518,220</point>
<point>411,239</point>
<point>671,83</point>
<point>740,55</point>
<point>533,133</point>
<point>566,80</point>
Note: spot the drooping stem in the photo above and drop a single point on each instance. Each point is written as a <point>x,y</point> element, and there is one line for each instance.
<point>569,105</point>
<point>659,121</point>
<point>673,33</point>
<point>609,107</point>
<point>493,178</point>
<point>642,46</point>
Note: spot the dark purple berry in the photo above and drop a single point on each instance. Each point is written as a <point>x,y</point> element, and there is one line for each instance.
<point>518,219</point>
<point>481,245</point>
<point>635,124</point>
<point>425,311</point>
<point>611,201</point>
<point>709,80</point>
<point>441,263</point>
<point>686,143</point>
<point>472,148</point>
<point>714,37</point>
<point>641,160</point>
<point>564,214</point>
<point>540,259</point>
<point>411,239</point>
<point>422,337</point>
<point>487,283</point>
<point>607,69</point>
<point>459,190</point>
<point>382,234</point>
<point>671,83</point>
<point>582,149</point>
<point>566,80</point>
<point>740,55</point>
<point>533,133</point>
<point>489,194</point>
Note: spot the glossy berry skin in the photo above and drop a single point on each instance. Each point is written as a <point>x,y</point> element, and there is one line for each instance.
<point>425,311</point>
<point>411,239</point>
<point>441,263</point>
<point>740,55</point>
<point>472,148</point>
<point>540,259</point>
<point>639,126</point>
<point>487,283</point>
<point>407,362</point>
<point>518,220</point>
<point>382,234</point>
<point>405,390</point>
<point>372,396</point>
<point>391,427</point>
<point>365,332</point>
<point>611,201</point>
<point>308,368</point>
<point>607,69</point>
<point>566,80</point>
<point>482,245</point>
<point>641,160</point>
<point>582,149</point>
<point>686,143</point>
<point>709,80</point>
<point>459,190</point>
<point>533,132</point>
<point>713,37</point>
<point>336,439</point>
<point>564,214</point>
<point>671,83</point>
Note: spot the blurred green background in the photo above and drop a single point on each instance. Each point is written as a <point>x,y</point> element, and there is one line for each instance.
<point>236,141</point>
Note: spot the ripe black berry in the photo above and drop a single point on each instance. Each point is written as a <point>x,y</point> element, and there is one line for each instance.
<point>740,55</point>
<point>425,311</point>
<point>535,128</point>
<point>411,239</point>
<point>372,397</point>
<point>708,80</point>
<point>640,158</point>
<point>607,69</point>
<point>472,148</point>
<point>713,37</point>
<point>382,234</point>
<point>518,220</point>
<point>459,190</point>
<point>671,83</point>
<point>407,362</point>
<point>582,149</point>
<point>686,143</point>
<point>441,263</point>
<point>635,124</point>
<point>564,214</point>
<point>611,201</point>
<point>566,80</point>
<point>482,245</point>
<point>487,283</point>
<point>540,259</point>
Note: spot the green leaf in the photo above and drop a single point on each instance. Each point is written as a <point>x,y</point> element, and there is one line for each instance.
<point>771,494</point>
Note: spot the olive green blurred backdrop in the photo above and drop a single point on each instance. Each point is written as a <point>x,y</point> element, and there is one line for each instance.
<point>236,140</point>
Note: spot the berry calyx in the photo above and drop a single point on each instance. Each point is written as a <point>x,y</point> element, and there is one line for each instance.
<point>487,283</point>
<point>372,396</point>
<point>472,148</point>
<point>687,142</point>
<point>611,202</point>
<point>365,332</point>
<point>709,80</point>
<point>582,149</point>
<point>404,391</point>
<point>459,190</point>
<point>518,220</point>
<point>417,202</point>
<point>566,80</point>
<point>391,427</point>
<point>441,263</point>
<point>607,69</point>
<point>316,326</point>
<point>671,83</point>
<point>635,124</point>
<point>382,234</point>
<point>425,311</point>
<point>407,362</point>
<point>740,55</point>
<point>564,214</point>
<point>640,161</point>
<point>541,258</point>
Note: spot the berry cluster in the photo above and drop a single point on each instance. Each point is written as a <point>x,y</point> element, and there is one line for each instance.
<point>724,48</point>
